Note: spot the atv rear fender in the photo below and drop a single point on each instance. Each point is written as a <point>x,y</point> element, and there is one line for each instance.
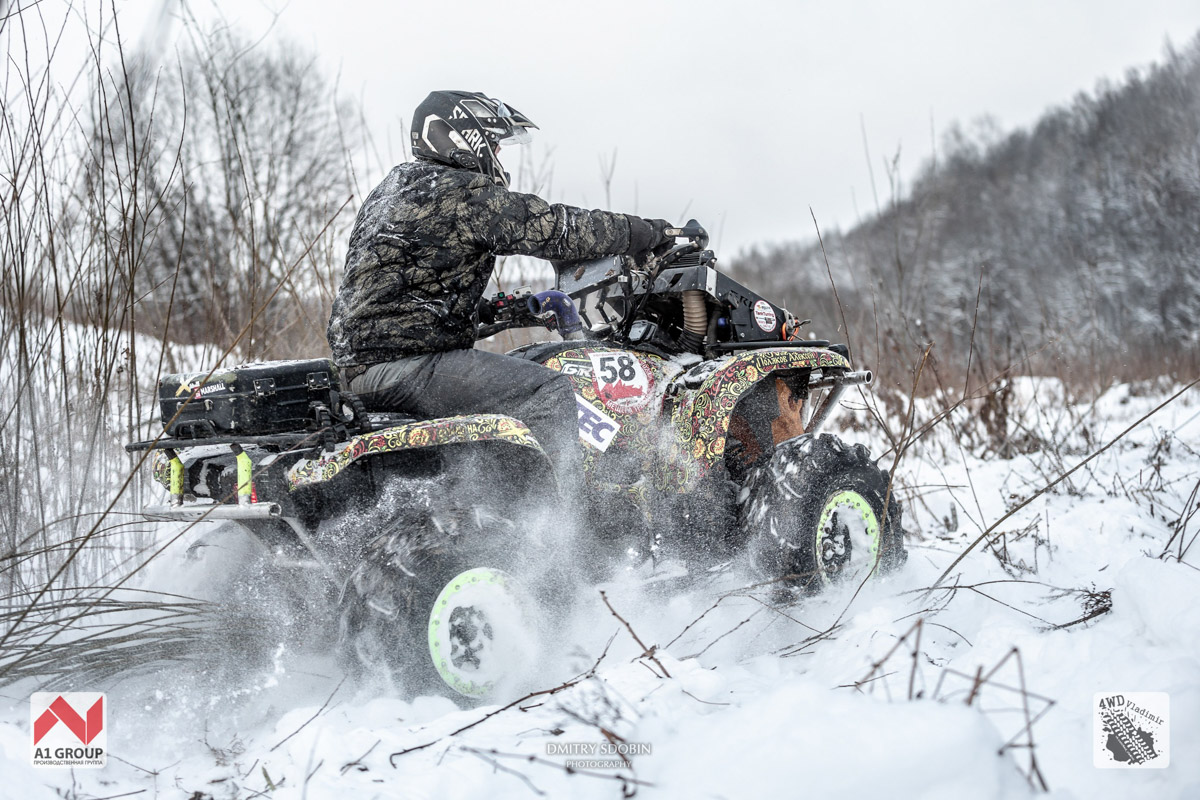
<point>318,467</point>
<point>500,453</point>
<point>472,429</point>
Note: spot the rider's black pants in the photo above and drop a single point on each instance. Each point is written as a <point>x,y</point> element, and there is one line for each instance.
<point>479,382</point>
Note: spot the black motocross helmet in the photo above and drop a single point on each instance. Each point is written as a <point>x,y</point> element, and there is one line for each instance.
<point>464,129</point>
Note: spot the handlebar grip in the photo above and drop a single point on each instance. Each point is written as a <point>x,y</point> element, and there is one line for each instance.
<point>686,233</point>
<point>693,230</point>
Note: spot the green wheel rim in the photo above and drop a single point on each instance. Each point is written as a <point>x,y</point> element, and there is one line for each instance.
<point>850,501</point>
<point>439,617</point>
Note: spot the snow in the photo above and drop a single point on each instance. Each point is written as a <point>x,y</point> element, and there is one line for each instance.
<point>758,704</point>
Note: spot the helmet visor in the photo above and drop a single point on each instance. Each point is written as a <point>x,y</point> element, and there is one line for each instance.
<point>504,125</point>
<point>516,125</point>
<point>516,136</point>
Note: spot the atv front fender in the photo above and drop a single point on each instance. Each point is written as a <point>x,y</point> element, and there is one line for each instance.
<point>702,419</point>
<point>411,436</point>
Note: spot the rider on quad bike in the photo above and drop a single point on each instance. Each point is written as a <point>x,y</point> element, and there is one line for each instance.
<point>431,528</point>
<point>421,255</point>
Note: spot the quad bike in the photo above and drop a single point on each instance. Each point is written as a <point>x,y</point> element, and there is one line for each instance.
<point>699,410</point>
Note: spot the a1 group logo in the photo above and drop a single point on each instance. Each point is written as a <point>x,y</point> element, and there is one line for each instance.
<point>69,729</point>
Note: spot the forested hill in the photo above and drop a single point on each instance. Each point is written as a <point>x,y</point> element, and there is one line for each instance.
<point>1086,228</point>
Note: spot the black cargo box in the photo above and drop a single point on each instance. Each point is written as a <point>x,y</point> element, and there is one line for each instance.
<point>254,399</point>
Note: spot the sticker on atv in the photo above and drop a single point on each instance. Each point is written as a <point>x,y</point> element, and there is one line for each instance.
<point>595,427</point>
<point>202,383</point>
<point>622,383</point>
<point>764,316</point>
<point>574,368</point>
<point>211,388</point>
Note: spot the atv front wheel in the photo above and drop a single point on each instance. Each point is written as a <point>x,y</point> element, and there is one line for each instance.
<point>431,605</point>
<point>814,514</point>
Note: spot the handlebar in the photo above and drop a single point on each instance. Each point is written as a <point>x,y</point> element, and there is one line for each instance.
<point>522,308</point>
<point>692,231</point>
<point>697,238</point>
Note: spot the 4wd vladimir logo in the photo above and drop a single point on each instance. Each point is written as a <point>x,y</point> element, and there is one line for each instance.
<point>1131,730</point>
<point>69,729</point>
<point>622,383</point>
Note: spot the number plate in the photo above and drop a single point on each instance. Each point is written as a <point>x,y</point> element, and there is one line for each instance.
<point>622,383</point>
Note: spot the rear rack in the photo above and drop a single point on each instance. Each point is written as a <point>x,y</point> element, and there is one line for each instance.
<point>287,440</point>
<point>378,421</point>
<point>197,511</point>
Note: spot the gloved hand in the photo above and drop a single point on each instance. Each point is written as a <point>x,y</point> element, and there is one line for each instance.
<point>487,313</point>
<point>665,242</point>
<point>647,236</point>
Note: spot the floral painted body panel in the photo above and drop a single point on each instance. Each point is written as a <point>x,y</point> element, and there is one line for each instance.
<point>429,433</point>
<point>630,388</point>
<point>670,434</point>
<point>702,418</point>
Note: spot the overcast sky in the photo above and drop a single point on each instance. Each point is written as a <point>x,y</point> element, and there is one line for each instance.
<point>742,113</point>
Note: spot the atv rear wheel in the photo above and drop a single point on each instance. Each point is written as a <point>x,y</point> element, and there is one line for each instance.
<point>814,514</point>
<point>431,606</point>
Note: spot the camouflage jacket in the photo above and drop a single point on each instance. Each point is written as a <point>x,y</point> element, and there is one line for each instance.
<point>423,249</point>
